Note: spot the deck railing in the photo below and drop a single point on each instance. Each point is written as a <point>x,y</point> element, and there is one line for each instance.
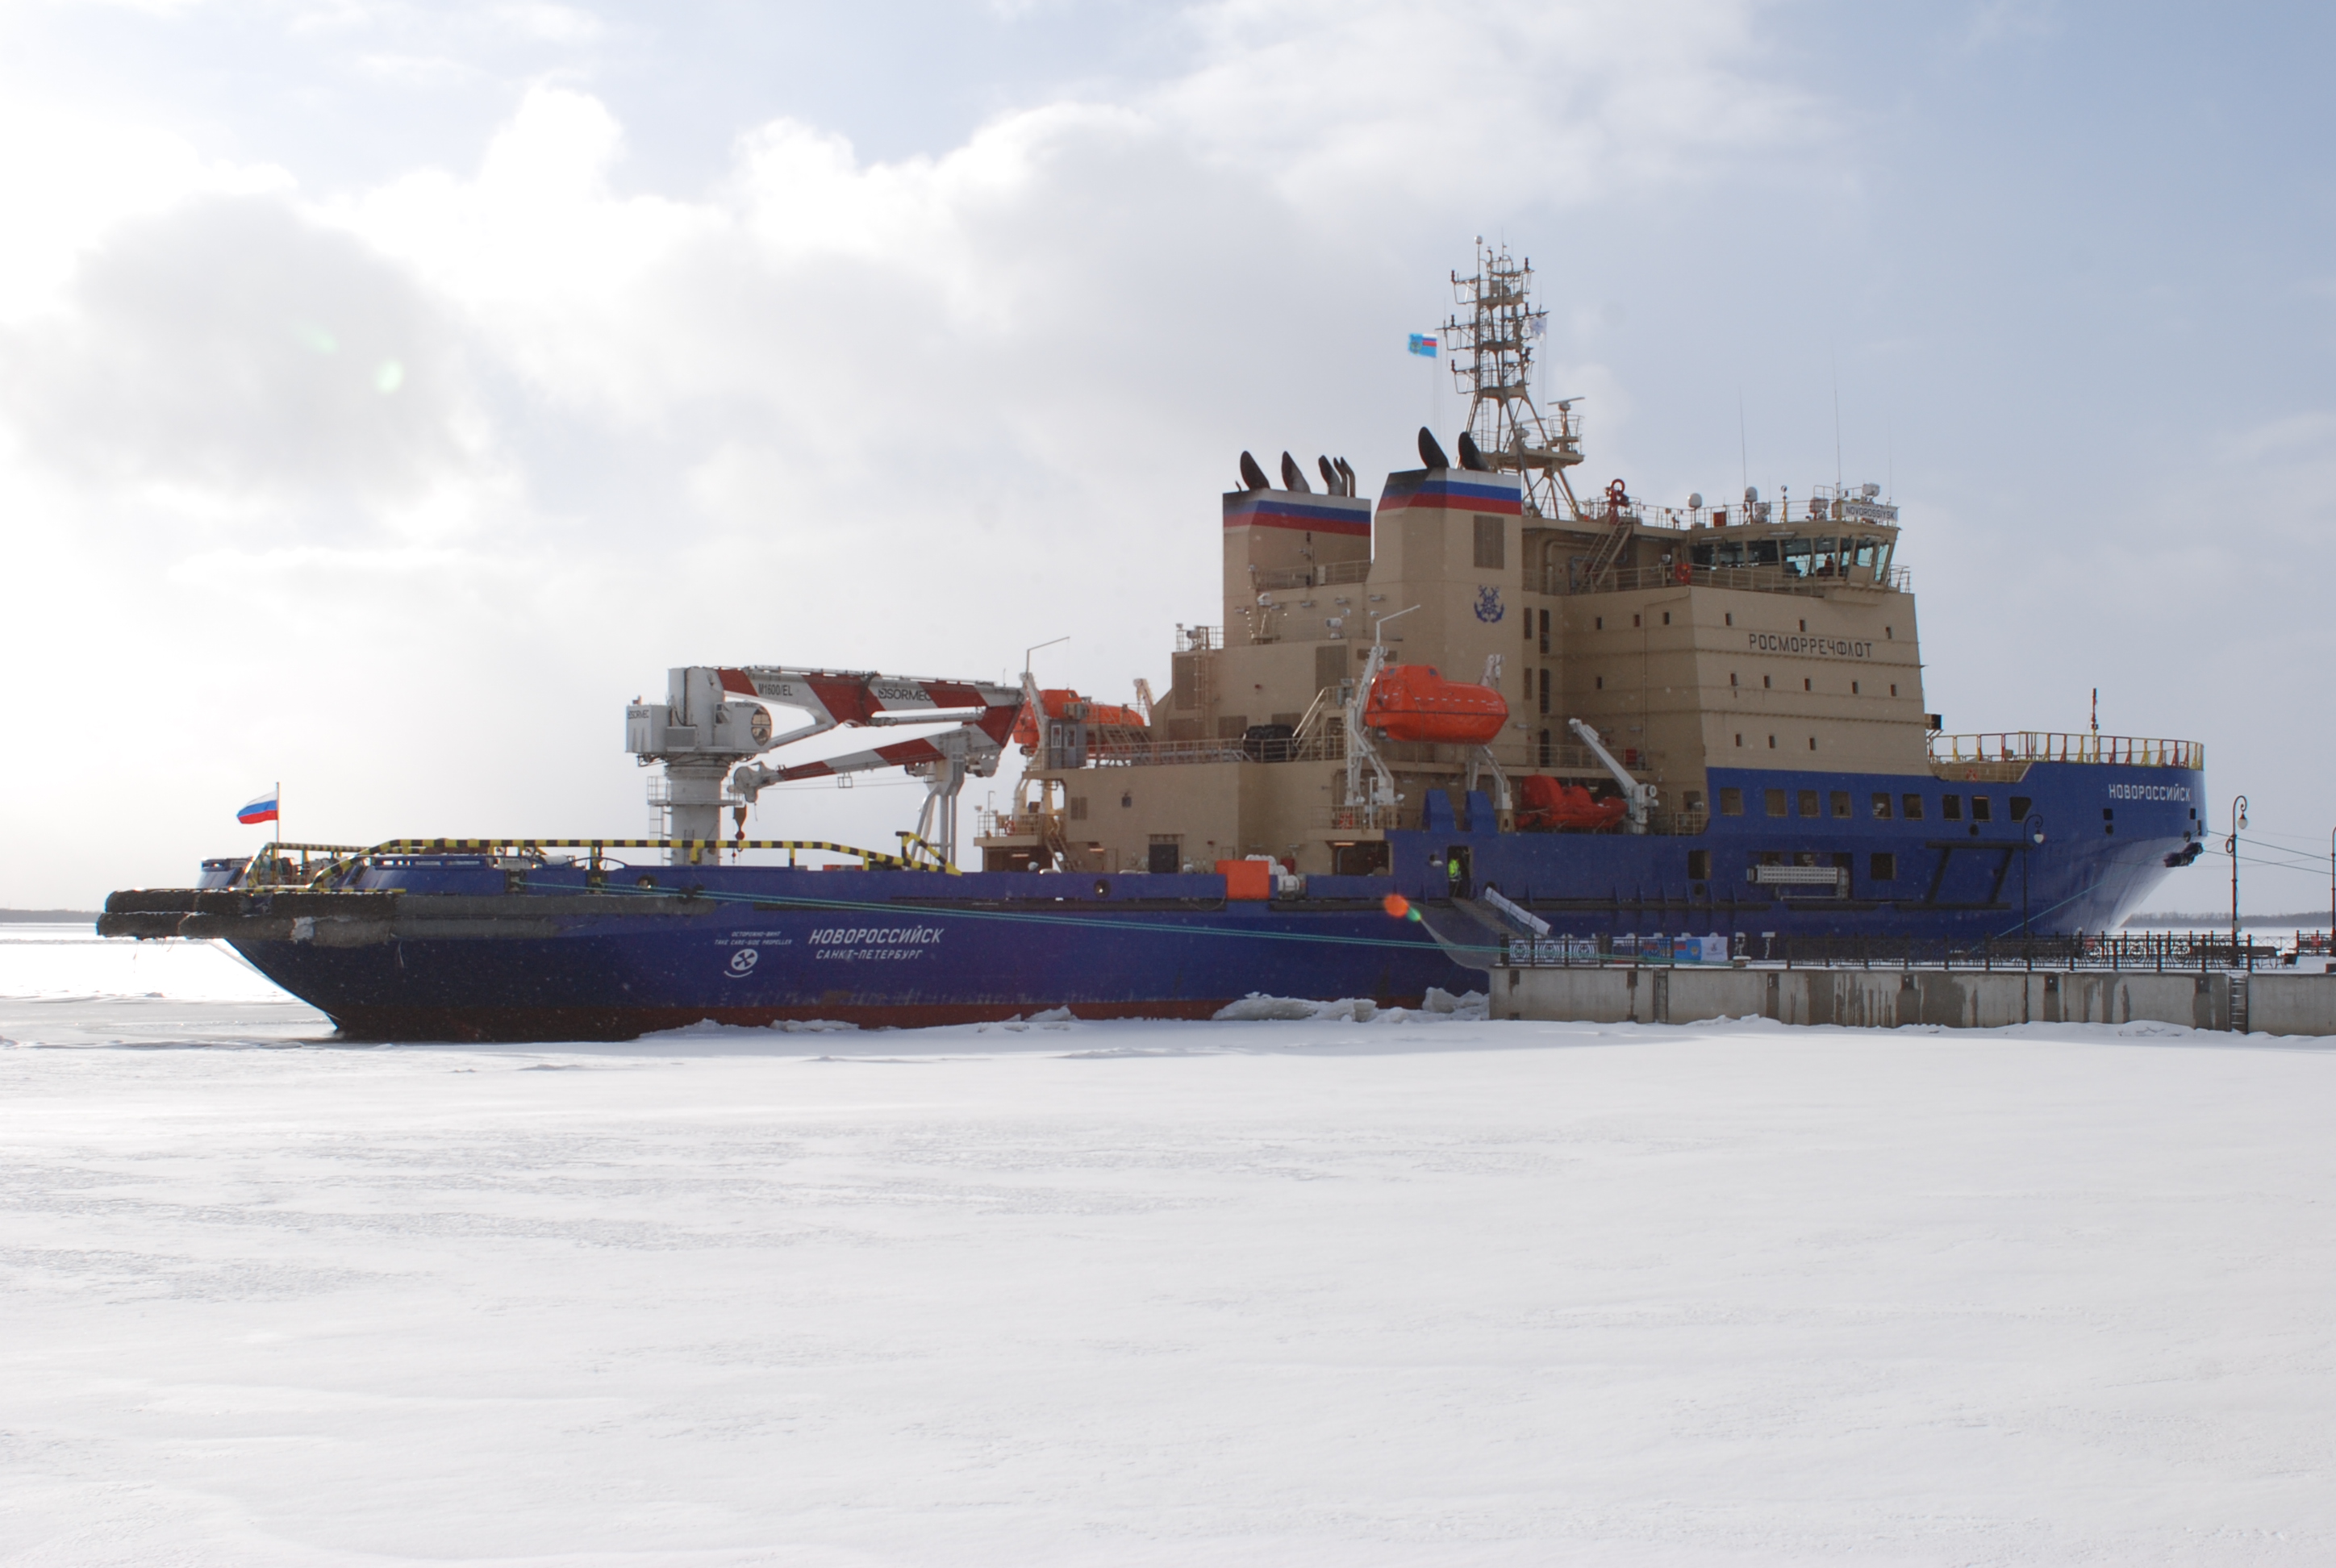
<point>2083,746</point>
<point>1559,581</point>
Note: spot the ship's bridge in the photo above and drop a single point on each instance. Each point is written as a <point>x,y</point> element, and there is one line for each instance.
<point>1836,537</point>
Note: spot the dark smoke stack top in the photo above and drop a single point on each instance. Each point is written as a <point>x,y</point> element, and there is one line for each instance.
<point>1470,458</point>
<point>1294,477</point>
<point>1252,477</point>
<point>1430,453</point>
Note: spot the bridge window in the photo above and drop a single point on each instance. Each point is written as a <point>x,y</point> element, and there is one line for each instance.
<point>2019,805</point>
<point>1913,806</point>
<point>1777,803</point>
<point>1808,804</point>
<point>1841,803</point>
<point>1731,803</point>
<point>1881,806</point>
<point>1983,809</point>
<point>1951,808</point>
<point>1489,552</point>
<point>1882,867</point>
<point>1699,866</point>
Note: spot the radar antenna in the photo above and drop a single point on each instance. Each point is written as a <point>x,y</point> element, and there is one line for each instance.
<point>1492,350</point>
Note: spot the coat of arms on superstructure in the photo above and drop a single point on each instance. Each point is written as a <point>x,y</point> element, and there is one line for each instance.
<point>1488,604</point>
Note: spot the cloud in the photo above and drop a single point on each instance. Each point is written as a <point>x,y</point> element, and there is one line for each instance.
<point>232,347</point>
<point>887,413</point>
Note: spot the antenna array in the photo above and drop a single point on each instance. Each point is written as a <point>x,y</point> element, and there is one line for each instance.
<point>1492,351</point>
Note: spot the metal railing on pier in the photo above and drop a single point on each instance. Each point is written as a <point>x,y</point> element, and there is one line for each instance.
<point>2152,952</point>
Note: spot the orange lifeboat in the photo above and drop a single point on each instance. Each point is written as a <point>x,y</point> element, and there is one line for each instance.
<point>1544,805</point>
<point>1101,716</point>
<point>1412,702</point>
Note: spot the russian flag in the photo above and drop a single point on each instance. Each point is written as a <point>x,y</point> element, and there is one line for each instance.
<point>262,810</point>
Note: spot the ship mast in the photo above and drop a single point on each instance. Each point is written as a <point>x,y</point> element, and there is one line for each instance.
<point>1492,350</point>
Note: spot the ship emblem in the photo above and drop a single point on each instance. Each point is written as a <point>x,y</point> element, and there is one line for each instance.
<point>1488,604</point>
<point>743,960</point>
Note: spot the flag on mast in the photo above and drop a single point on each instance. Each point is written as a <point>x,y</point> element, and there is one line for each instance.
<point>261,809</point>
<point>1424,344</point>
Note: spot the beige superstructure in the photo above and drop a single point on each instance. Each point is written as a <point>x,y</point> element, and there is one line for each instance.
<point>1689,639</point>
<point>1758,636</point>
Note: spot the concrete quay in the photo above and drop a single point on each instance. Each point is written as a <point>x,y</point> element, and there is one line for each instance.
<point>2261,1003</point>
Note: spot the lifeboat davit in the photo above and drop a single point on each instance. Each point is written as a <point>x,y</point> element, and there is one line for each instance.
<point>1413,702</point>
<point>1546,805</point>
<point>1101,716</point>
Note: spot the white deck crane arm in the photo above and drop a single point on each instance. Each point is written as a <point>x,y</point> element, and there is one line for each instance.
<point>1641,797</point>
<point>715,718</point>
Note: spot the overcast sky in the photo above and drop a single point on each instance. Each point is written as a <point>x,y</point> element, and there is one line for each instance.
<point>389,391</point>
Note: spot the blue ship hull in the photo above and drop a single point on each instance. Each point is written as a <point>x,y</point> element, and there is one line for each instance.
<point>476,952</point>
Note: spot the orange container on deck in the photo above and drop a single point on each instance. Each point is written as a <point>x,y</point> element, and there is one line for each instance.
<point>1247,879</point>
<point>1413,702</point>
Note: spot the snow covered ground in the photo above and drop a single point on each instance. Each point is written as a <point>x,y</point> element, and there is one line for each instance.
<point>1421,1291</point>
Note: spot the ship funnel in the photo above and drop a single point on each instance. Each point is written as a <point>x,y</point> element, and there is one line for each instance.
<point>1430,453</point>
<point>1470,458</point>
<point>1347,472</point>
<point>1252,477</point>
<point>1294,477</point>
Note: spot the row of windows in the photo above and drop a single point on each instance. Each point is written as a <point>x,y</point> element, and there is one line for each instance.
<point>1768,683</point>
<point>1881,804</point>
<point>1598,623</point>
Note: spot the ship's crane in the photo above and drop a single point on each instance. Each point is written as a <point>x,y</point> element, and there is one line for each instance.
<point>714,720</point>
<point>1640,796</point>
